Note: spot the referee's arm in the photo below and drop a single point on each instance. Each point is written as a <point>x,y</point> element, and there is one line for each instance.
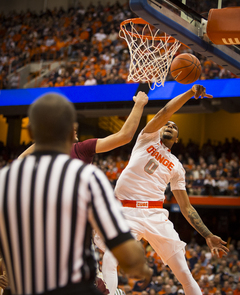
<point>106,218</point>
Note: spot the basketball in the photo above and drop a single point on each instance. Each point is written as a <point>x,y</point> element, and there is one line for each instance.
<point>185,68</point>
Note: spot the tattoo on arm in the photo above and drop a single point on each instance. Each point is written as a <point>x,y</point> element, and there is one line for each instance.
<point>196,221</point>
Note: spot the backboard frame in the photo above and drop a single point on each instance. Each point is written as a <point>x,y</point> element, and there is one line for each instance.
<point>188,33</point>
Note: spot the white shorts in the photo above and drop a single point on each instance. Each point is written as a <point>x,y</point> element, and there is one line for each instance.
<point>154,226</point>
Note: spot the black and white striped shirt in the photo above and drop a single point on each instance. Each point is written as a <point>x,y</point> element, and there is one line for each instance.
<point>48,203</point>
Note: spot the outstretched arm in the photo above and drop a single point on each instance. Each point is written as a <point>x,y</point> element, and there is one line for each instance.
<point>133,261</point>
<point>129,128</point>
<point>215,243</point>
<point>163,116</point>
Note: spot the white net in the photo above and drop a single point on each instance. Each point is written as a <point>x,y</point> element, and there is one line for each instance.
<point>151,53</point>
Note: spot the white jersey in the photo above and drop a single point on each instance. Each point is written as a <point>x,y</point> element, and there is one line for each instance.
<point>150,169</point>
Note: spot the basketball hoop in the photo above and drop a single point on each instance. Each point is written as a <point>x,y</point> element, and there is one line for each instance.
<point>151,51</point>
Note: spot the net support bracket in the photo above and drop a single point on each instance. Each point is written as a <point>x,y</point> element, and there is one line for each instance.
<point>174,25</point>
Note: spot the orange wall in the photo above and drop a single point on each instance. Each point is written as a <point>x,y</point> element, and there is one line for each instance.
<point>3,129</point>
<point>199,127</point>
<point>24,138</point>
<point>222,125</point>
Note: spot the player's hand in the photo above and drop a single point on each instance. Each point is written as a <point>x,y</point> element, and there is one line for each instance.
<point>141,98</point>
<point>216,245</point>
<point>200,91</point>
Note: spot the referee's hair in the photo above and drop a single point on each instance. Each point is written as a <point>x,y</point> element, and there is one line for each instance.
<point>51,119</point>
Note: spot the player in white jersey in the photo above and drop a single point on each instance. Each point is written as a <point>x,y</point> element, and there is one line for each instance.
<point>152,158</point>
<point>141,188</point>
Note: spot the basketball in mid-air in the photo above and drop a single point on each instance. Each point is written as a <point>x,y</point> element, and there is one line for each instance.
<point>185,68</point>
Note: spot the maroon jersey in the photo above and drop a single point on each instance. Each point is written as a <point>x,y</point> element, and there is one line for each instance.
<point>101,286</point>
<point>85,150</point>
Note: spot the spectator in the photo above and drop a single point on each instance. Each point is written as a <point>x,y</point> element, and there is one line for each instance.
<point>217,281</point>
<point>236,189</point>
<point>211,288</point>
<point>224,264</point>
<point>157,284</point>
<point>198,185</point>
<point>3,80</point>
<point>74,78</point>
<point>90,81</point>
<point>167,289</point>
<point>226,288</point>
<point>80,81</point>
<point>99,78</point>
<point>193,260</point>
<point>235,273</point>
<point>210,274</point>
<point>14,80</point>
<point>189,184</point>
<point>237,290</point>
<point>198,271</point>
<point>172,286</point>
<point>100,36</point>
<point>59,82</point>
<point>151,264</point>
<point>209,186</point>
<point>222,186</point>
<point>232,254</point>
<point>113,36</point>
<point>231,282</point>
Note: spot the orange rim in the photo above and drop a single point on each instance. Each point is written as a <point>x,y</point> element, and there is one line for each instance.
<point>140,21</point>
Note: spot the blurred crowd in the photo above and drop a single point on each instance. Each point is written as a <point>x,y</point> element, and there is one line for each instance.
<point>86,39</point>
<point>215,276</point>
<point>212,170</point>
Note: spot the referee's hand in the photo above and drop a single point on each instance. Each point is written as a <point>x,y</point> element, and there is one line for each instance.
<point>144,283</point>
<point>3,280</point>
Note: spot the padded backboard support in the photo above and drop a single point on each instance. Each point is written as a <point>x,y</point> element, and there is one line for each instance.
<point>187,33</point>
<point>223,26</point>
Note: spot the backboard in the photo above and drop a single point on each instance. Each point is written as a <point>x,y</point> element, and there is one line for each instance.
<point>183,22</point>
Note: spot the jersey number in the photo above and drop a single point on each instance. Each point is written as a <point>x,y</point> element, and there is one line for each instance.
<point>151,166</point>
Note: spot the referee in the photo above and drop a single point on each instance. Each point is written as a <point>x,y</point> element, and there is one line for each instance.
<point>49,204</point>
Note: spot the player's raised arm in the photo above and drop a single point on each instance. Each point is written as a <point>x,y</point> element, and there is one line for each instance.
<point>129,128</point>
<point>163,116</point>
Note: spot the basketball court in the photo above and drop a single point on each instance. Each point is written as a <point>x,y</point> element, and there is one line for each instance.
<point>191,25</point>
